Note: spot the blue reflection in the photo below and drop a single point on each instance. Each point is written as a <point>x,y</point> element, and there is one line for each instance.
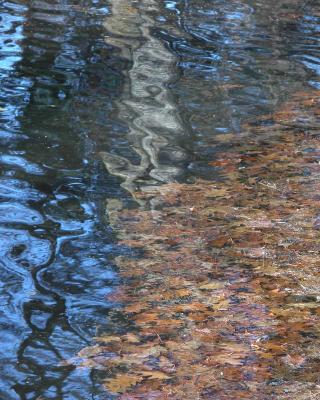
<point>55,250</point>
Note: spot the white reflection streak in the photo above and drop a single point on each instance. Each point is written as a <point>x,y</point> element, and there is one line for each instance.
<point>146,104</point>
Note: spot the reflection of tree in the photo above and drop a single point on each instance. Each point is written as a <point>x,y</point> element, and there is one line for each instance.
<point>146,104</point>
<point>236,63</point>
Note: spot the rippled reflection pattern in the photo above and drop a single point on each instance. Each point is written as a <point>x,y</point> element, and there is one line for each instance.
<point>55,249</point>
<point>146,104</point>
<point>233,61</point>
<point>155,89</point>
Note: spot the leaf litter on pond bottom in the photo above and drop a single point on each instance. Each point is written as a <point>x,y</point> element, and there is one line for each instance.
<point>223,302</point>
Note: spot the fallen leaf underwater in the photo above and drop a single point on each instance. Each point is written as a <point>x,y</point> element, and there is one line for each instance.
<point>225,301</point>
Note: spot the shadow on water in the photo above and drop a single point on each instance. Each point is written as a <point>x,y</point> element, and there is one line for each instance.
<point>158,90</point>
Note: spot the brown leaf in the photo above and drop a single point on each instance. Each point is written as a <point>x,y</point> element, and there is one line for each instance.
<point>219,242</point>
<point>294,360</point>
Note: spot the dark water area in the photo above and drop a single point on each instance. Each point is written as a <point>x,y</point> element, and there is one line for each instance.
<point>150,90</point>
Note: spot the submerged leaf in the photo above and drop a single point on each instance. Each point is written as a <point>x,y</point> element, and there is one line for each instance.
<point>214,285</point>
<point>122,382</point>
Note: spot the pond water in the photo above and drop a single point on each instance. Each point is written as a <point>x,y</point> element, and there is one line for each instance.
<point>99,99</point>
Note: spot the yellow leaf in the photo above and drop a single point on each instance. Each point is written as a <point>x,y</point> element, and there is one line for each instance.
<point>213,285</point>
<point>108,339</point>
<point>176,294</point>
<point>90,351</point>
<point>222,305</point>
<point>225,137</point>
<point>304,305</point>
<point>131,338</point>
<point>217,192</point>
<point>155,375</point>
<point>122,382</point>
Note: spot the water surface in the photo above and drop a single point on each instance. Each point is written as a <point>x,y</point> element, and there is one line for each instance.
<point>151,90</point>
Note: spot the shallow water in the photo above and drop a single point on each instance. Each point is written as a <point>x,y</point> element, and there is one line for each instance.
<point>153,91</point>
